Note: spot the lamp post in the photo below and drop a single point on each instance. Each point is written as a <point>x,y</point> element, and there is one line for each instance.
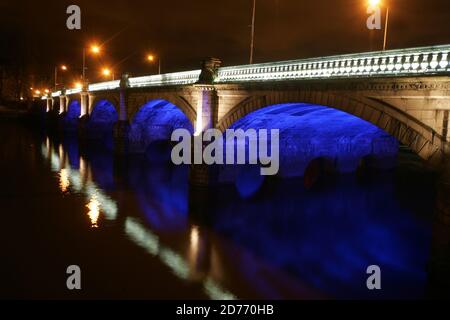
<point>252,40</point>
<point>151,58</point>
<point>95,49</point>
<point>63,68</point>
<point>386,28</point>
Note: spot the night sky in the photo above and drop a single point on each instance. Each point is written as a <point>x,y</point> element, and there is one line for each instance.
<point>34,34</point>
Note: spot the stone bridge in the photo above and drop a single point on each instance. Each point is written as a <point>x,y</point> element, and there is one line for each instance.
<point>405,93</point>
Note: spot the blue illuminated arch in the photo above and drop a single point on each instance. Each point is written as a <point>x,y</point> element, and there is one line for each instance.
<point>104,113</point>
<point>101,123</point>
<point>72,115</point>
<point>309,131</point>
<point>154,123</point>
<point>73,110</point>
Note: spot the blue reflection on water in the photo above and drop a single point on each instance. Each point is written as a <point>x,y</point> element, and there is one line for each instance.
<point>326,238</point>
<point>71,146</point>
<point>162,193</point>
<point>329,237</point>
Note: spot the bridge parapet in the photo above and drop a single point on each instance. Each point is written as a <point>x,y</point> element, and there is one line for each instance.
<point>168,79</point>
<point>405,62</point>
<point>108,85</point>
<point>421,61</point>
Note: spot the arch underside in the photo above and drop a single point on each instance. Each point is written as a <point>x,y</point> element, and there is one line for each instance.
<point>113,99</point>
<point>138,100</point>
<point>72,115</point>
<point>423,140</point>
<point>308,132</point>
<point>101,121</point>
<point>154,122</point>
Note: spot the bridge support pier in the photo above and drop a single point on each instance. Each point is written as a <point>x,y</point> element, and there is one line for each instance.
<point>443,197</point>
<point>439,261</point>
<point>84,117</point>
<point>121,131</point>
<point>203,175</point>
<point>63,101</point>
<point>49,104</point>
<point>122,127</point>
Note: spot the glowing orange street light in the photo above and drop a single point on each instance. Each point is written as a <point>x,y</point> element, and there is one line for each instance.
<point>106,72</point>
<point>374,3</point>
<point>78,85</point>
<point>46,91</point>
<point>151,58</point>
<point>94,49</point>
<point>37,92</point>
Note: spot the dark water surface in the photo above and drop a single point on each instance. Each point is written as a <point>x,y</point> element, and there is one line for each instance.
<point>129,226</point>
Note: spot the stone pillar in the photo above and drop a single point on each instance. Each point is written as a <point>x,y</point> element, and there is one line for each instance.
<point>84,103</point>
<point>62,112</point>
<point>206,108</point>
<point>91,99</point>
<point>203,175</point>
<point>66,106</point>
<point>122,127</point>
<point>62,104</point>
<point>84,114</point>
<point>439,261</point>
<point>49,104</point>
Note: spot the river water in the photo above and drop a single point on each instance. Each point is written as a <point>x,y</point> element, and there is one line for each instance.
<point>136,231</point>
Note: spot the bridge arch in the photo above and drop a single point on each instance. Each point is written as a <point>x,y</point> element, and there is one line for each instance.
<point>137,101</point>
<point>422,139</point>
<point>153,123</point>
<point>73,114</point>
<point>308,132</point>
<point>113,100</point>
<point>103,112</point>
<point>102,119</point>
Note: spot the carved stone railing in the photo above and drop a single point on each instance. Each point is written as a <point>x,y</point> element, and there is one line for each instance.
<point>392,63</point>
<point>395,63</point>
<point>168,79</point>
<point>101,86</point>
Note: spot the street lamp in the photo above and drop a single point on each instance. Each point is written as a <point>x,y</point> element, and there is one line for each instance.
<point>94,49</point>
<point>107,73</point>
<point>151,58</point>
<point>63,68</point>
<point>375,4</point>
<point>252,41</point>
